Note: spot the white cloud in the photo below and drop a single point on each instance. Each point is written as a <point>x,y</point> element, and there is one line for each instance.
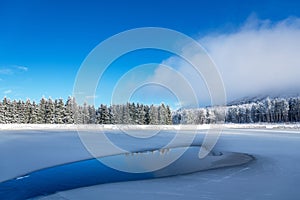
<point>7,91</point>
<point>12,70</point>
<point>260,58</point>
<point>22,68</point>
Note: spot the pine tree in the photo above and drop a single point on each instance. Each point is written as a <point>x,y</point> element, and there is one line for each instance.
<point>153,113</point>
<point>126,114</point>
<point>132,113</point>
<point>27,111</point>
<point>162,114</point>
<point>147,115</point>
<point>103,115</point>
<point>13,115</point>
<point>34,112</point>
<point>49,112</point>
<point>42,112</point>
<point>7,114</point>
<point>168,116</point>
<point>79,118</point>
<point>85,114</point>
<point>59,111</point>
<point>71,109</point>
<point>2,114</point>
<point>92,114</point>
<point>140,114</point>
<point>116,112</point>
<point>112,117</point>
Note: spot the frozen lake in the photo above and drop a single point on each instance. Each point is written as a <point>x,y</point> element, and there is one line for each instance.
<point>274,174</point>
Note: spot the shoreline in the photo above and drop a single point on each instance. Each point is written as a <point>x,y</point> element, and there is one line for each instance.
<point>112,127</point>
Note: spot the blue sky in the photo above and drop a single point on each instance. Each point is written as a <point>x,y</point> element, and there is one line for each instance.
<point>43,43</point>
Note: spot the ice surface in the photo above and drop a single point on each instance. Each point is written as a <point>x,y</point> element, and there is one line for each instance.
<point>92,172</point>
<point>274,175</point>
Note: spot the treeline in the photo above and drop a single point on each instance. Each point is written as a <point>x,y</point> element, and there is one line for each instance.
<point>276,110</point>
<point>49,111</point>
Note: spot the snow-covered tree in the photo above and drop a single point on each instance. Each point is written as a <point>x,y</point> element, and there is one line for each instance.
<point>49,112</point>
<point>153,115</point>
<point>168,116</point>
<point>71,111</point>
<point>59,111</point>
<point>34,112</point>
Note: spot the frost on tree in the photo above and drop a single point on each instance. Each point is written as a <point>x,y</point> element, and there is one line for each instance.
<point>276,110</point>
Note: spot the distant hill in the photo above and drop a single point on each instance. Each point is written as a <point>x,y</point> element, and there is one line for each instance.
<point>258,98</point>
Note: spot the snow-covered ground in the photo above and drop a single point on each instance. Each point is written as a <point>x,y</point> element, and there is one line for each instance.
<point>90,127</point>
<point>274,174</point>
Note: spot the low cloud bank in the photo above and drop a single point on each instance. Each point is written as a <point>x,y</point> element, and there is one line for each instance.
<point>260,58</point>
